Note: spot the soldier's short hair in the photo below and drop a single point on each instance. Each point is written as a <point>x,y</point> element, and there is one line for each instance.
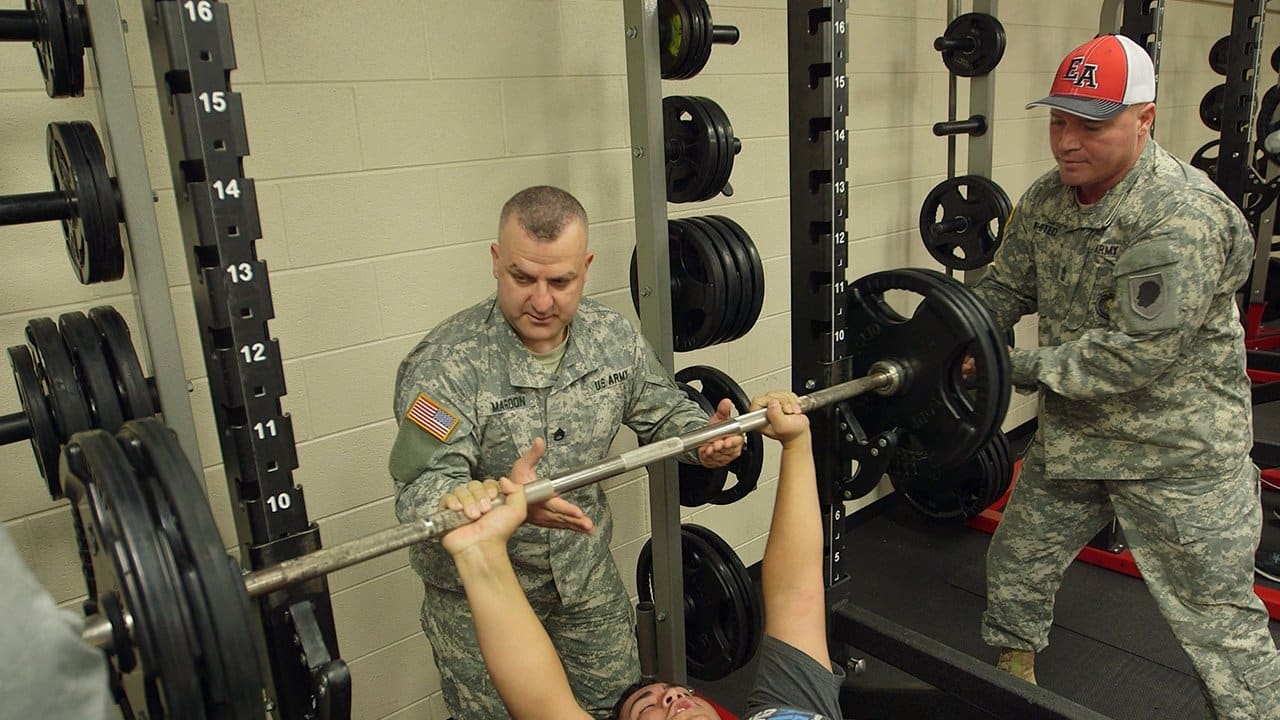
<point>543,211</point>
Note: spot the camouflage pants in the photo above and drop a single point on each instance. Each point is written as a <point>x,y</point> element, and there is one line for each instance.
<point>1193,540</point>
<point>595,639</point>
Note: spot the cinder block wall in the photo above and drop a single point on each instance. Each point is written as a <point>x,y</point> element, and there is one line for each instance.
<point>385,136</point>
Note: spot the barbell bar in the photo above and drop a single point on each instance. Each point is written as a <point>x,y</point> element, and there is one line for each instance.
<point>885,378</point>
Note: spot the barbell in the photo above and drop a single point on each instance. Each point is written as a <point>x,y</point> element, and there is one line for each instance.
<point>173,610</point>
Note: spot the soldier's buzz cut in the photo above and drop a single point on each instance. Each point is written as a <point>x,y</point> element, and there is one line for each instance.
<point>543,211</point>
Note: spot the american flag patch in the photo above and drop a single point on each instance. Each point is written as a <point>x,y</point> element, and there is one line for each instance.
<point>431,417</point>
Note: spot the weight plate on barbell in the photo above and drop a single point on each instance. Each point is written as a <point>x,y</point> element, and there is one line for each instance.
<point>962,221</point>
<point>937,407</point>
<point>45,442</point>
<point>231,677</point>
<point>716,385</point>
<point>86,349</point>
<point>988,38</point>
<point>126,369</point>
<point>132,573</point>
<point>53,361</point>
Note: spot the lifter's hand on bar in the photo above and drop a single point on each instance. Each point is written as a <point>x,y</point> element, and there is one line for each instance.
<point>722,450</point>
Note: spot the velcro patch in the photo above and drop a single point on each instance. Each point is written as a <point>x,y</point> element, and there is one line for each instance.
<point>1147,294</point>
<point>429,416</point>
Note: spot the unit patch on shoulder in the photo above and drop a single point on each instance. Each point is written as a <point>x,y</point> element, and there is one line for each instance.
<point>429,416</point>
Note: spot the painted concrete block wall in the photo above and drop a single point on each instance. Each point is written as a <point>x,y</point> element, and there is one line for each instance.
<point>385,136</point>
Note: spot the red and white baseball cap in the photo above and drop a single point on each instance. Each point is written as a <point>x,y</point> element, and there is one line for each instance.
<point>1102,77</point>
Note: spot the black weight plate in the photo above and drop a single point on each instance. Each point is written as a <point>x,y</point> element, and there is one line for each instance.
<point>87,354</point>
<point>230,671</point>
<point>698,485</point>
<point>691,149</point>
<point>1211,107</point>
<point>697,289</point>
<point>984,208</point>
<point>754,621</point>
<point>675,42</point>
<point>1268,122</point>
<point>95,250</point>
<point>953,495</point>
<point>713,180</point>
<point>727,146</point>
<point>731,297</point>
<point>757,270</point>
<point>989,387</point>
<point>935,406</point>
<point>51,49</point>
<point>70,411</point>
<point>1206,158</point>
<point>989,40</point>
<point>704,30</point>
<point>1275,60</point>
<point>126,369</point>
<point>715,613</point>
<point>716,386</point>
<point>1219,54</point>
<point>129,567</point>
<point>76,33</point>
<point>110,247</point>
<point>44,432</point>
<point>746,277</point>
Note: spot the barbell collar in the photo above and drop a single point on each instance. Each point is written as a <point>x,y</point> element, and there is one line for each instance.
<point>884,377</point>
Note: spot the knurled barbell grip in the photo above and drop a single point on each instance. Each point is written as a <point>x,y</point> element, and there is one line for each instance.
<point>884,378</point>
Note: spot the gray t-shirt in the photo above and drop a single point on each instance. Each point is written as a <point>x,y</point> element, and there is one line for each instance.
<point>49,672</point>
<point>790,685</point>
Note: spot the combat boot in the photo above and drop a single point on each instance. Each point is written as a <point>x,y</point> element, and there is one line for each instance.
<point>1019,663</point>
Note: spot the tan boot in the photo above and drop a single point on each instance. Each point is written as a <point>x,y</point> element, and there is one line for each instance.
<point>1019,663</point>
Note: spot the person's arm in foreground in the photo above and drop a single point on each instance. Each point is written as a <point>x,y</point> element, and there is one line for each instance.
<point>517,651</point>
<point>794,594</point>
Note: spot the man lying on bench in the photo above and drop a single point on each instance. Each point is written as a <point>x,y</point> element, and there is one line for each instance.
<point>795,680</point>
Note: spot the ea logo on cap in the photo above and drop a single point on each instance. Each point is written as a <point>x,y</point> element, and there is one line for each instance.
<point>1081,74</point>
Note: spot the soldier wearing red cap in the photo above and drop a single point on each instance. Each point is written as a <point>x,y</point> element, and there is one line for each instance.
<point>1132,258</point>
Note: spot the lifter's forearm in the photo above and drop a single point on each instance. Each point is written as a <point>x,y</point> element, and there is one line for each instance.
<point>793,553</point>
<point>520,657</point>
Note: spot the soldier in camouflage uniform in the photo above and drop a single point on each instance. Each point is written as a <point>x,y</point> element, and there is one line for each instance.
<point>535,361</point>
<point>1133,259</point>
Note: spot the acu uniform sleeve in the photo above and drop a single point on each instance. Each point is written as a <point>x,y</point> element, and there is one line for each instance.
<point>1008,288</point>
<point>435,448</point>
<point>656,408</point>
<point>1163,288</point>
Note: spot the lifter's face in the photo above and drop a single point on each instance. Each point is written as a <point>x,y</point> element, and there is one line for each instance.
<point>540,282</point>
<point>1095,155</point>
<point>661,701</point>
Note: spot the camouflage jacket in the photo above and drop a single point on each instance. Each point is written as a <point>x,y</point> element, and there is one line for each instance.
<point>1141,363</point>
<point>474,368</point>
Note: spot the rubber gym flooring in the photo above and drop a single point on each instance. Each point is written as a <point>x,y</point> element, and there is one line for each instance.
<point>1109,649</point>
